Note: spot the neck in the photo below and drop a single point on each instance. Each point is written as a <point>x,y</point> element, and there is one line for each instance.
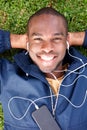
<point>55,73</point>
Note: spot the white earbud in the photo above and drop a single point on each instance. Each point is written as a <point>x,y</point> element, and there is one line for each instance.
<point>28,46</point>
<point>67,45</point>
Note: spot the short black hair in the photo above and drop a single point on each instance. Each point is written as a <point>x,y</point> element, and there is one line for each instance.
<point>52,11</point>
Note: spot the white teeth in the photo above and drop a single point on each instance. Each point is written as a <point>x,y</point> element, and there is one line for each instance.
<point>47,58</point>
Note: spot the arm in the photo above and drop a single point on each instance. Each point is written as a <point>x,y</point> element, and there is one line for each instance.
<point>18,41</point>
<point>76,38</point>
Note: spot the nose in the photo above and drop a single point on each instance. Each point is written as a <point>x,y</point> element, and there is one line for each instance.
<point>47,47</point>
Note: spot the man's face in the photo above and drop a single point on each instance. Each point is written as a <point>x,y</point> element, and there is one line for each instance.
<point>47,42</point>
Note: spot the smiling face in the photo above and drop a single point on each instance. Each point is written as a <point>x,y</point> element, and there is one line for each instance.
<point>47,42</point>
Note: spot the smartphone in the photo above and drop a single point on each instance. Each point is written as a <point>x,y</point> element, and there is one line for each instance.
<point>44,119</point>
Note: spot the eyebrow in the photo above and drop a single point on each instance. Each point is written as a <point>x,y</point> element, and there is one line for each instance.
<point>57,34</point>
<point>36,34</point>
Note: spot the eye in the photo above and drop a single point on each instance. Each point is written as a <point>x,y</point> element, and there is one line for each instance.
<point>56,39</point>
<point>38,39</point>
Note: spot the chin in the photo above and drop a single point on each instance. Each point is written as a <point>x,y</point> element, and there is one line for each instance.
<point>47,70</point>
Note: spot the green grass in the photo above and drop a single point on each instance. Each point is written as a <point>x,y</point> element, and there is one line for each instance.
<point>15,13</point>
<point>1,118</point>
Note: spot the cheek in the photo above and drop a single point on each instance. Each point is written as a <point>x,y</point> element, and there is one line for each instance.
<point>34,48</point>
<point>61,48</point>
<point>61,51</point>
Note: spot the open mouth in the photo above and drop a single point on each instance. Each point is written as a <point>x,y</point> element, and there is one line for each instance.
<point>47,62</point>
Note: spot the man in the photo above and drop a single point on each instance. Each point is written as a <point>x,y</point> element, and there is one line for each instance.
<point>52,74</point>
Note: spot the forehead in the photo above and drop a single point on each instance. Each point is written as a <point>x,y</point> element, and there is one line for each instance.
<point>47,22</point>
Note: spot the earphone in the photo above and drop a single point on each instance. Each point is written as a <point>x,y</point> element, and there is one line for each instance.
<point>27,48</point>
<point>67,45</point>
<point>34,102</point>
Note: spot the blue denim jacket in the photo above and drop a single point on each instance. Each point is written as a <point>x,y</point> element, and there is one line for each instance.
<point>23,85</point>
